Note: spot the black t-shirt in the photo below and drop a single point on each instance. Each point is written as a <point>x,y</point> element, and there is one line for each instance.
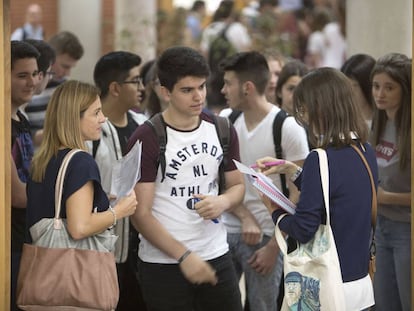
<point>41,196</point>
<point>124,133</point>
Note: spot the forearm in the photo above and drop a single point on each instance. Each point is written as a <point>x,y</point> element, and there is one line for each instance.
<point>233,196</point>
<point>293,192</point>
<point>18,189</point>
<point>241,212</point>
<point>272,244</point>
<point>394,198</point>
<point>96,223</point>
<point>83,221</point>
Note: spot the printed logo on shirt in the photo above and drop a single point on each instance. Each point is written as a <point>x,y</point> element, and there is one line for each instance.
<point>203,170</point>
<point>386,150</point>
<point>188,152</point>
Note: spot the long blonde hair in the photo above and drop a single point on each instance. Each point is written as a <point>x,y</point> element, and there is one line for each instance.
<point>62,124</point>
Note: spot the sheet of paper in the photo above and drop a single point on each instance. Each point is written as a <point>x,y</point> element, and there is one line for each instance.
<point>265,185</point>
<point>126,172</point>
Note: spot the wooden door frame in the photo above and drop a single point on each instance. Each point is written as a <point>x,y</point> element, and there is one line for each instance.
<point>5,128</point>
<point>5,152</point>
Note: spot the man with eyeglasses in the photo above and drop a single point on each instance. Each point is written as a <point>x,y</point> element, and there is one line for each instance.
<point>117,74</point>
<point>24,76</point>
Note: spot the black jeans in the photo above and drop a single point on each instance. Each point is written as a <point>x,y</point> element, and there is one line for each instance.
<point>165,289</point>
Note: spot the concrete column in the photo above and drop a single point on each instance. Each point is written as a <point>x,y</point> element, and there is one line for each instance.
<point>378,27</point>
<point>83,19</point>
<point>135,27</point>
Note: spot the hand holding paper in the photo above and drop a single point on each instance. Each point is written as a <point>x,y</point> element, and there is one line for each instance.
<point>269,165</point>
<point>265,185</point>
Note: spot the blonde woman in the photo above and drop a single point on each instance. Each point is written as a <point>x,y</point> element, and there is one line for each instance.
<point>74,115</point>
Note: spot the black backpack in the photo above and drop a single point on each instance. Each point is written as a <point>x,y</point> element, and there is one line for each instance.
<point>219,49</point>
<point>277,138</point>
<point>223,132</point>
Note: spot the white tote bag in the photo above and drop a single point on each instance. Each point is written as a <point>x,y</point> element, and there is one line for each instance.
<point>312,272</point>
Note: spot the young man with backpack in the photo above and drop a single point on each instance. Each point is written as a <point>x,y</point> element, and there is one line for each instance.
<point>250,229</point>
<point>117,75</point>
<point>184,260</point>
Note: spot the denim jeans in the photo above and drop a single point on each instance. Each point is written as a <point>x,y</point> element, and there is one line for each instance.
<point>392,282</point>
<point>165,289</point>
<point>262,290</point>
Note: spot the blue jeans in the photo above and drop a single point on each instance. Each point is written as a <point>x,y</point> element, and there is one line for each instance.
<point>165,289</point>
<point>392,282</point>
<point>262,290</point>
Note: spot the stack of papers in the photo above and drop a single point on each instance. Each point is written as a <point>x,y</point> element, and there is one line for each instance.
<point>126,172</point>
<point>266,186</point>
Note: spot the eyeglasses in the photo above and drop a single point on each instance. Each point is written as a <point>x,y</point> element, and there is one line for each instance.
<point>137,81</point>
<point>50,74</point>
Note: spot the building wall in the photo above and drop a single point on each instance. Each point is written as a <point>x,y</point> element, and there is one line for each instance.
<point>83,18</point>
<point>377,27</point>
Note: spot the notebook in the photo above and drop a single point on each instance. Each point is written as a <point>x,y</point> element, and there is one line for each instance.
<point>266,186</point>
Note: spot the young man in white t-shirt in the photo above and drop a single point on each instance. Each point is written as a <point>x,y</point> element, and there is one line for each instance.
<point>250,227</point>
<point>184,260</point>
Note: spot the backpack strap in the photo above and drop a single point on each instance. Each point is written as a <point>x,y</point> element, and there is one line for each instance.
<point>223,132</point>
<point>277,139</point>
<point>158,125</point>
<point>234,115</point>
<point>95,145</point>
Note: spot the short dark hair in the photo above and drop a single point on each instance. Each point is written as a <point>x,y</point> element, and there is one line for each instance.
<point>66,42</point>
<point>114,66</point>
<point>21,50</point>
<point>249,66</point>
<point>47,54</point>
<point>178,62</point>
<point>224,10</point>
<point>358,67</point>
<point>291,68</point>
<point>198,4</point>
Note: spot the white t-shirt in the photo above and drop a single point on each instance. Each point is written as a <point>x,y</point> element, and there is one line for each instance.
<point>256,144</point>
<point>317,45</point>
<point>335,51</point>
<point>192,166</point>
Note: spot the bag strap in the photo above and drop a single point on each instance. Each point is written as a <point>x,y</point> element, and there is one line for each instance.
<point>374,196</point>
<point>324,170</point>
<point>59,184</point>
<point>277,141</point>
<point>234,115</point>
<point>222,126</point>
<point>158,125</point>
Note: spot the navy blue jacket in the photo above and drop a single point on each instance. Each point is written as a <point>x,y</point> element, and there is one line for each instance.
<point>350,198</point>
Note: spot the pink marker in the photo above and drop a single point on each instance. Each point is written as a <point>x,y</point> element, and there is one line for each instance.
<point>269,164</point>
